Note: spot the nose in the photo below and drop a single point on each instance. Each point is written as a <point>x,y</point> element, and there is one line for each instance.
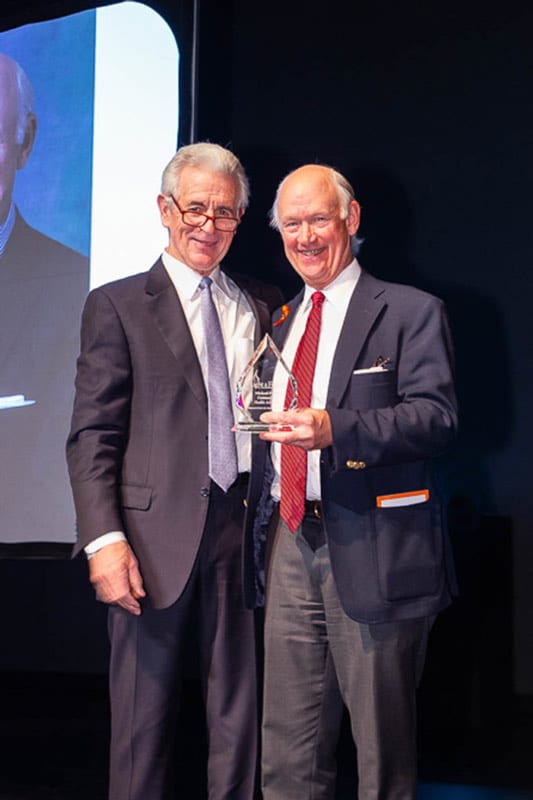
<point>306,232</point>
<point>209,225</point>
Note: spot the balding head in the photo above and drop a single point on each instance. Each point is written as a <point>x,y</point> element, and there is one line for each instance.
<point>17,127</point>
<point>342,186</point>
<point>317,215</point>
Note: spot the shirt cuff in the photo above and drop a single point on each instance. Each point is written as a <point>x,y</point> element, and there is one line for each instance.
<point>102,541</point>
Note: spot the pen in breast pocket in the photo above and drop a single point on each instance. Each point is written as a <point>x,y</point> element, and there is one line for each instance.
<point>382,363</point>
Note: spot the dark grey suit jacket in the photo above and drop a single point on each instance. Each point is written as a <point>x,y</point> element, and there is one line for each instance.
<point>388,562</point>
<point>137,450</point>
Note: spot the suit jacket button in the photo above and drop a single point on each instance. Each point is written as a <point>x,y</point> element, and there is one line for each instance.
<point>204,491</point>
<point>355,464</point>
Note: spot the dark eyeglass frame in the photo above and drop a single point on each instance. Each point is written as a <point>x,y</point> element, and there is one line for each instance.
<point>234,222</point>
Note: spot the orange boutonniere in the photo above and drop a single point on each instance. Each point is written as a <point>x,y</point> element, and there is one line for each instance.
<point>285,311</point>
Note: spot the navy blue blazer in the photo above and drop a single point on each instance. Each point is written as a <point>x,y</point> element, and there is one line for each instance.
<point>389,561</point>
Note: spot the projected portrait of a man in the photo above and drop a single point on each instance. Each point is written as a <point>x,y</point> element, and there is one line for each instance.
<point>42,286</point>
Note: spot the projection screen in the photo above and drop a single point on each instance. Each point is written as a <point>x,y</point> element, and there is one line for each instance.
<point>82,211</point>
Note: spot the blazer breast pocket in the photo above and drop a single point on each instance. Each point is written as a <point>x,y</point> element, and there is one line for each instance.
<point>372,390</point>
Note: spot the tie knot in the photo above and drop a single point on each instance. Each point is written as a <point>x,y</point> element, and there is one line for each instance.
<point>317,298</point>
<point>206,282</point>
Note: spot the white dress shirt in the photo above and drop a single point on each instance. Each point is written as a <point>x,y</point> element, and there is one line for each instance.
<point>6,228</point>
<point>237,321</point>
<point>337,298</point>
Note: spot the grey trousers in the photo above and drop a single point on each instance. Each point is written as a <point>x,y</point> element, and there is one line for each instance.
<point>317,659</point>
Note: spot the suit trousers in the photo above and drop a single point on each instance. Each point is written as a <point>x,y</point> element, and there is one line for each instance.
<point>148,654</point>
<point>318,660</point>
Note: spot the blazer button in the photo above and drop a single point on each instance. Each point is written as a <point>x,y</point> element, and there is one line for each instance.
<point>355,464</point>
<point>204,492</point>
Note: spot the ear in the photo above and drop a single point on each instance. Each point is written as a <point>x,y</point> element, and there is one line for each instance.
<point>164,209</point>
<point>240,214</point>
<point>27,143</point>
<point>354,217</point>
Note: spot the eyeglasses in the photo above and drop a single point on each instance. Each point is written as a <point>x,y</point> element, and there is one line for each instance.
<point>197,220</point>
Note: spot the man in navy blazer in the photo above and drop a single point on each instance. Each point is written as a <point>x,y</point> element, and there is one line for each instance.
<point>164,541</point>
<point>352,586</point>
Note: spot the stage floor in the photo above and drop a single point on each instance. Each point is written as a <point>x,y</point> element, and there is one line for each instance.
<point>54,733</point>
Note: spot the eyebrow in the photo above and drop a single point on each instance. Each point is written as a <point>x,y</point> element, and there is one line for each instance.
<point>298,217</point>
<point>201,204</point>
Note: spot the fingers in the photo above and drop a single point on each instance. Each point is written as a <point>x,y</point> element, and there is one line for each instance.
<point>289,425</point>
<point>130,604</point>
<point>308,428</point>
<point>114,573</point>
<point>136,581</point>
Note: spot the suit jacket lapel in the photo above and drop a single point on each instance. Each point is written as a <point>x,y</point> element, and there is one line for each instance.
<point>170,319</point>
<point>364,307</point>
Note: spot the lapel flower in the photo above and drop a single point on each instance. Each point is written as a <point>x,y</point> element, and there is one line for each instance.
<point>285,311</point>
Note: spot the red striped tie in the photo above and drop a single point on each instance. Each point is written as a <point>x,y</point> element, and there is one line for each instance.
<point>294,459</point>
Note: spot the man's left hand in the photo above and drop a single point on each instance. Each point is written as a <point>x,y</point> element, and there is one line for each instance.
<point>308,428</point>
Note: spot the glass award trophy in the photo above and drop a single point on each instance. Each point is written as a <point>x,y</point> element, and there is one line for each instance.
<point>253,393</point>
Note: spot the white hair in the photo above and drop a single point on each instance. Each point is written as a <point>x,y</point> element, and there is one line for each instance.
<point>212,157</point>
<point>26,101</point>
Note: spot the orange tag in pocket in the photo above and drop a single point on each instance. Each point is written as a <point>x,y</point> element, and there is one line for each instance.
<point>402,499</point>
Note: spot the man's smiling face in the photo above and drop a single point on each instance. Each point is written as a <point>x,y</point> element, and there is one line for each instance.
<point>212,193</point>
<point>315,237</point>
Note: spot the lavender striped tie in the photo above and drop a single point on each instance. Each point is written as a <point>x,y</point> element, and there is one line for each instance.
<point>222,448</point>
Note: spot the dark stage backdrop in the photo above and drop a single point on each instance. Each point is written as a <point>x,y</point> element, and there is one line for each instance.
<point>426,107</point>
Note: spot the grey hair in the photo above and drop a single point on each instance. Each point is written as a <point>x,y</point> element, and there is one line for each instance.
<point>212,157</point>
<point>26,101</point>
<point>345,193</point>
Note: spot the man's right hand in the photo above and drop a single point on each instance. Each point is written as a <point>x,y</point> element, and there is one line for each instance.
<point>114,573</point>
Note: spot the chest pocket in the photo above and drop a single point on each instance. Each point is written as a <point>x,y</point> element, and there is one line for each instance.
<point>372,390</point>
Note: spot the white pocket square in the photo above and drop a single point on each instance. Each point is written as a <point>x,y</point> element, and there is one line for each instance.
<point>15,401</point>
<point>370,369</point>
<point>380,365</point>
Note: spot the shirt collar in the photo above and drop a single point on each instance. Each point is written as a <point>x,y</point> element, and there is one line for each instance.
<point>7,228</point>
<point>186,280</point>
<point>340,288</point>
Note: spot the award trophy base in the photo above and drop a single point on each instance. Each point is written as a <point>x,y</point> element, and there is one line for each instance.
<point>251,426</point>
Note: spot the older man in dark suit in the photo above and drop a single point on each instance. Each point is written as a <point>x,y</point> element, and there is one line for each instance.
<point>359,561</point>
<point>43,285</point>
<point>159,482</point>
